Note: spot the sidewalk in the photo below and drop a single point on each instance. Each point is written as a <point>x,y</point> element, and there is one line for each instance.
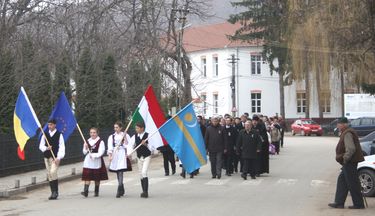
<point>66,173</point>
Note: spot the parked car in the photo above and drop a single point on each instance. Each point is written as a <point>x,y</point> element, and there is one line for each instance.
<point>366,172</point>
<point>368,144</point>
<point>363,125</point>
<point>331,128</point>
<point>306,127</point>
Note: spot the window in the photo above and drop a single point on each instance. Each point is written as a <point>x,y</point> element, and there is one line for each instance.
<point>301,102</point>
<point>204,66</point>
<point>204,98</point>
<point>355,122</point>
<point>215,66</point>
<point>366,121</point>
<point>326,102</point>
<point>256,102</point>
<point>216,103</point>
<point>256,62</point>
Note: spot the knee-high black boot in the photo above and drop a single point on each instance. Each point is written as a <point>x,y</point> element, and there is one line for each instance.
<point>96,191</point>
<point>118,194</point>
<point>144,194</point>
<point>52,189</point>
<point>122,190</point>
<point>85,192</point>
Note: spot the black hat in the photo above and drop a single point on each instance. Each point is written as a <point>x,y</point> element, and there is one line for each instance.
<point>255,117</point>
<point>343,120</point>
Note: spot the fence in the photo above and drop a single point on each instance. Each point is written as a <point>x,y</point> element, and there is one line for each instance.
<point>11,164</point>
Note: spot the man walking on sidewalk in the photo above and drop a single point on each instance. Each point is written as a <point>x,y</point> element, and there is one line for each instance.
<point>57,146</point>
<point>348,154</point>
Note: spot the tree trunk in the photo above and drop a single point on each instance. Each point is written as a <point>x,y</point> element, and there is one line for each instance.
<point>282,93</point>
<point>318,89</point>
<point>307,85</point>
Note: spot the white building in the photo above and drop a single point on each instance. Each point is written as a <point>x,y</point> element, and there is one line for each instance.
<point>256,89</point>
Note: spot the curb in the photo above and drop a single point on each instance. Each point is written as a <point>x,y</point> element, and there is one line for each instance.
<point>16,191</point>
<point>26,188</point>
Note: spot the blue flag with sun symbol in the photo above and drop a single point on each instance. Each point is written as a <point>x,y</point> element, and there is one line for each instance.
<point>63,114</point>
<point>184,136</point>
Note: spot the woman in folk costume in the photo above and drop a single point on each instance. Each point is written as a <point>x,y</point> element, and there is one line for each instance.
<point>143,156</point>
<point>117,143</point>
<point>93,166</point>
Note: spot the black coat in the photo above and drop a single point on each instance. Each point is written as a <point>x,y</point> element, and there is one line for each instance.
<point>248,143</point>
<point>214,139</point>
<point>230,138</point>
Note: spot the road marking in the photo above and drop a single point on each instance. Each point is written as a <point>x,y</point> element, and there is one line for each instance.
<point>114,182</point>
<point>252,182</point>
<point>217,182</point>
<point>287,181</point>
<point>181,182</point>
<point>320,183</point>
<point>153,181</point>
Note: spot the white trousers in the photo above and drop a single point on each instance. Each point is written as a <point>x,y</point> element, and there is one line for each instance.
<point>51,169</point>
<point>143,164</point>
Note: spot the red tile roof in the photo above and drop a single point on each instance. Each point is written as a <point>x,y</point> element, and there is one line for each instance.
<point>213,37</point>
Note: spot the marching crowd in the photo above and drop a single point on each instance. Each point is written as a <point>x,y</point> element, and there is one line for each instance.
<point>240,144</point>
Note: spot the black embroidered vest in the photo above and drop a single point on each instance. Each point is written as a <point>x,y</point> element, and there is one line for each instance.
<point>54,142</point>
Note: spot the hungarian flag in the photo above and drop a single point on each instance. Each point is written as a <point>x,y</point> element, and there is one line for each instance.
<point>150,112</point>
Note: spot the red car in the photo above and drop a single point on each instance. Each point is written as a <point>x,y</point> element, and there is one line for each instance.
<point>306,127</point>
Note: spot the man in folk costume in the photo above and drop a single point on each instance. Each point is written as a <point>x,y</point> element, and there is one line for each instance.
<point>57,146</point>
<point>143,156</point>
<point>348,154</point>
<point>117,143</point>
<point>93,166</point>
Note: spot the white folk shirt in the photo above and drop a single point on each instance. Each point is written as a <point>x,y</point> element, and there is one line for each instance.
<point>61,153</point>
<point>93,160</point>
<point>118,138</point>
<point>118,151</point>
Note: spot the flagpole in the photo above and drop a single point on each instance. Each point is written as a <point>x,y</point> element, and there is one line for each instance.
<point>80,132</point>
<point>155,132</point>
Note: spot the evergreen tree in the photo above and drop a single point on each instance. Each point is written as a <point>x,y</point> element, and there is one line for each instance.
<point>266,21</point>
<point>62,77</point>
<point>136,82</point>
<point>8,91</point>
<point>86,90</point>
<point>110,98</point>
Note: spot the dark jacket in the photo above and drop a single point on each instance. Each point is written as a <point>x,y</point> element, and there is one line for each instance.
<point>342,152</point>
<point>248,143</point>
<point>230,138</point>
<point>214,139</point>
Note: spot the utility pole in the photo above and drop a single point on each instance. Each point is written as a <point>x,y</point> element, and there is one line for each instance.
<point>233,60</point>
<point>182,20</point>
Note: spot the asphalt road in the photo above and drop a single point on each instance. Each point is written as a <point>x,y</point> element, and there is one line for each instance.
<point>302,182</point>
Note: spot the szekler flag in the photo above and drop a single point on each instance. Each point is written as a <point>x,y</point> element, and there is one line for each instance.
<point>150,112</point>
<point>184,136</point>
<point>25,122</point>
<point>63,114</point>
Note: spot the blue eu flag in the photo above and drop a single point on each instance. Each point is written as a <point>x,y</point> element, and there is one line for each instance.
<point>63,114</point>
<point>184,136</point>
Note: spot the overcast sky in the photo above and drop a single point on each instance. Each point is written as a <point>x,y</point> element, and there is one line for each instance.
<point>220,9</point>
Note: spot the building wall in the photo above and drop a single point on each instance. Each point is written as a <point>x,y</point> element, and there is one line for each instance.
<point>246,83</point>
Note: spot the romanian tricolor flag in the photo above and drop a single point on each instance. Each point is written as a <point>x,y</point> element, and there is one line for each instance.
<point>184,136</point>
<point>25,122</point>
<point>150,112</point>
